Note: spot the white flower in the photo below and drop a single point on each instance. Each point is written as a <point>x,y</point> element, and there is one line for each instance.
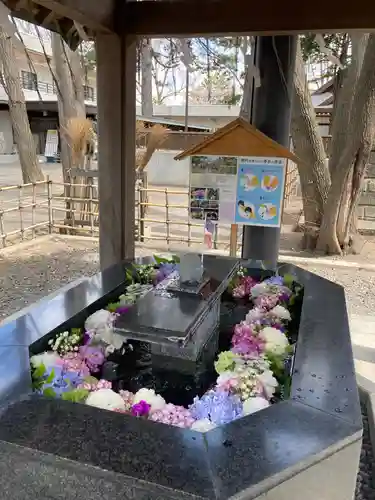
<point>254,315</point>
<point>100,323</point>
<point>203,425</point>
<point>47,359</point>
<point>253,405</point>
<point>106,399</point>
<point>259,289</point>
<point>268,382</point>
<point>154,400</point>
<point>276,341</point>
<point>281,313</point>
<point>228,379</point>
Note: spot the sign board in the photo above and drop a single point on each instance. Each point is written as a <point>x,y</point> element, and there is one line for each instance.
<point>213,187</point>
<point>52,144</point>
<point>260,191</point>
<point>237,190</point>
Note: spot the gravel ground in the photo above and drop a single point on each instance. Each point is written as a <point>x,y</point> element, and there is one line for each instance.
<point>29,272</point>
<point>359,286</point>
<point>365,481</point>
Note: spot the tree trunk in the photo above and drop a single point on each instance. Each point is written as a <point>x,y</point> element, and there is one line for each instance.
<point>146,71</point>
<point>77,76</point>
<point>340,126</point>
<point>308,146</point>
<point>66,100</point>
<point>31,171</point>
<point>355,153</point>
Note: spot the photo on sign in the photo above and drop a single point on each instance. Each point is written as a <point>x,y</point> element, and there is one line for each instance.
<point>204,203</point>
<point>214,165</point>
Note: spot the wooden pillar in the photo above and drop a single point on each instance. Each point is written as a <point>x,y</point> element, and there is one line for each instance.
<point>116,80</point>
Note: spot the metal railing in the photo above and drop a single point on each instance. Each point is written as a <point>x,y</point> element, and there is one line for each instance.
<point>50,88</point>
<point>161,214</point>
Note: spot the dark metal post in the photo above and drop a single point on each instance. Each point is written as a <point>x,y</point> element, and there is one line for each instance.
<point>270,112</point>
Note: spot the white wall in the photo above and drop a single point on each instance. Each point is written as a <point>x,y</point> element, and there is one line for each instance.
<point>6,143</point>
<point>163,170</point>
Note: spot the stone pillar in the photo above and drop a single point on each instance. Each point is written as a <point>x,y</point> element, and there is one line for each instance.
<point>271,113</point>
<point>116,80</point>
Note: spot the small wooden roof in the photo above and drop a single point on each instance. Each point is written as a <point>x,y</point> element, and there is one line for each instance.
<point>239,138</point>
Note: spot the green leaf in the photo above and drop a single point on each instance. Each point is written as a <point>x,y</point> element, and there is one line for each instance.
<point>112,306</point>
<point>76,395</point>
<point>50,377</point>
<point>289,279</point>
<point>129,275</point>
<point>176,259</point>
<point>39,371</point>
<point>160,260</point>
<point>49,393</point>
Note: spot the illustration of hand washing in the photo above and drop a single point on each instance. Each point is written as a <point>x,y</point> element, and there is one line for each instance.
<point>270,183</point>
<point>267,211</point>
<point>246,210</point>
<point>249,182</point>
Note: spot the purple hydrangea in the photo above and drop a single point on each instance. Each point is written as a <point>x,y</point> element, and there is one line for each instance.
<point>246,340</point>
<point>122,309</point>
<point>141,409</point>
<point>165,269</point>
<point>219,407</point>
<point>275,280</point>
<point>92,356</point>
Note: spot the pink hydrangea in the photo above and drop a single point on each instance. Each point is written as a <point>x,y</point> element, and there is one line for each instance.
<point>246,340</point>
<point>96,385</point>
<point>266,302</point>
<point>173,415</point>
<point>73,362</point>
<point>244,287</point>
<point>103,384</point>
<point>128,398</point>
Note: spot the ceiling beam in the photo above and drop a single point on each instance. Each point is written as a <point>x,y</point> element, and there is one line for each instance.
<point>235,17</point>
<point>93,14</point>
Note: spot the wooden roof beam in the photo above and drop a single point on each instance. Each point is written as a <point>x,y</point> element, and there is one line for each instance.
<point>93,14</point>
<point>235,17</point>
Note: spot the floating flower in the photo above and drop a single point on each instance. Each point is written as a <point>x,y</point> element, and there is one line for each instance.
<point>67,341</point>
<point>47,359</point>
<point>93,357</point>
<point>268,383</point>
<point>246,340</point>
<point>255,314</point>
<point>203,425</point>
<point>225,361</point>
<point>239,292</point>
<point>100,323</point>
<point>60,381</point>
<point>141,409</point>
<point>275,340</point>
<point>254,404</point>
<point>122,309</point>
<point>274,280</point>
<point>218,406</point>
<point>228,381</point>
<point>266,302</point>
<point>173,415</point>
<point>73,362</point>
<point>155,401</point>
<point>128,398</point>
<point>259,289</point>
<point>106,399</point>
<point>281,313</point>
<point>103,384</point>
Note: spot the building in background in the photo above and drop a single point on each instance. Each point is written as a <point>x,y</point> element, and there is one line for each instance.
<point>40,94</point>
